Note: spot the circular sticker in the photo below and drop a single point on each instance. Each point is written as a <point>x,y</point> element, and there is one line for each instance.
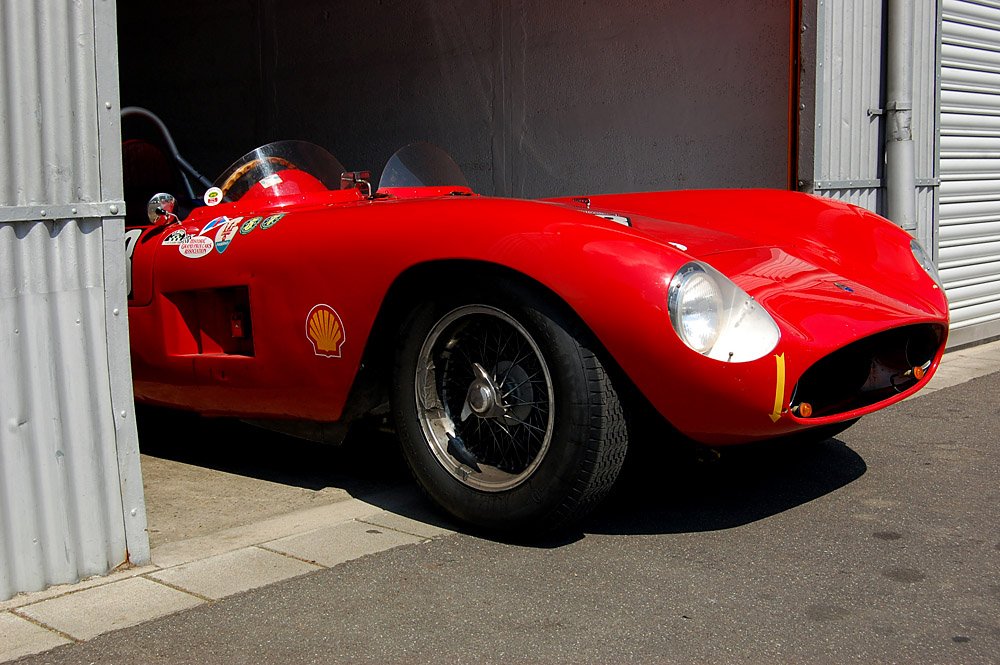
<point>271,221</point>
<point>196,247</point>
<point>213,196</point>
<point>250,225</point>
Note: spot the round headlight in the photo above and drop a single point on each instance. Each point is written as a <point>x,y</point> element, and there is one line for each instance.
<point>696,308</point>
<point>716,318</point>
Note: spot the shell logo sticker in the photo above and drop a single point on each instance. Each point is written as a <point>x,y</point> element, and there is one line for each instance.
<point>325,331</point>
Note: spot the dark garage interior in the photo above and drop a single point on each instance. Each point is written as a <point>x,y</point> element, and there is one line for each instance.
<point>532,99</point>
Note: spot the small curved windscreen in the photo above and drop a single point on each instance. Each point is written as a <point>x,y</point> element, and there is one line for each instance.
<point>422,165</point>
<point>260,164</point>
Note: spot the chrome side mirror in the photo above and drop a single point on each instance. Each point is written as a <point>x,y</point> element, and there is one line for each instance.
<point>160,209</point>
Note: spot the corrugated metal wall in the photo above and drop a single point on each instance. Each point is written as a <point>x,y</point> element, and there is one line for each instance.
<point>848,125</point>
<point>848,139</point>
<point>970,166</point>
<point>925,135</point>
<point>71,501</point>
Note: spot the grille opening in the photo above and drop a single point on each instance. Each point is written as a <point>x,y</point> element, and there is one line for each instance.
<point>867,371</point>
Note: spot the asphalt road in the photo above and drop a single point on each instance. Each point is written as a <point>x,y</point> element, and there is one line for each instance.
<point>881,546</point>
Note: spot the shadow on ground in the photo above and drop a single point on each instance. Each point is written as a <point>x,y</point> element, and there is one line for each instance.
<point>368,461</point>
<point>663,488</point>
<point>678,490</point>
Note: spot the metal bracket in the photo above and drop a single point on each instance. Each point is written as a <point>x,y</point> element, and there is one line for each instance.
<point>356,179</point>
<point>65,211</point>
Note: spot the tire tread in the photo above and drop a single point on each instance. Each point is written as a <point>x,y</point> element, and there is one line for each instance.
<point>607,445</point>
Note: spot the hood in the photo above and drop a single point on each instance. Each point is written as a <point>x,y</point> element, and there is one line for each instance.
<point>814,263</point>
<point>708,222</point>
<point>820,301</point>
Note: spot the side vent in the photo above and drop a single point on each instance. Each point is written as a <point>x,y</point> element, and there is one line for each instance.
<point>208,322</point>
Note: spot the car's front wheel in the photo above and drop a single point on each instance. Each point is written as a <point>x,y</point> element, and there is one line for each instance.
<point>506,414</point>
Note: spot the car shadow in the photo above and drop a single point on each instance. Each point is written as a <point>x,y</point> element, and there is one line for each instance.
<point>362,465</point>
<point>665,489</point>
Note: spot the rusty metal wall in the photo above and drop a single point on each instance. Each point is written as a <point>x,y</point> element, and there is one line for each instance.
<point>71,501</point>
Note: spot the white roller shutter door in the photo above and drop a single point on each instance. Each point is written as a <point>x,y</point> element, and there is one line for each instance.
<point>969,214</point>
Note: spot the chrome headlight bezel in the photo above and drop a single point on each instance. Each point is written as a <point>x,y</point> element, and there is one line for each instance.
<point>716,318</point>
<point>924,260</point>
<point>694,302</point>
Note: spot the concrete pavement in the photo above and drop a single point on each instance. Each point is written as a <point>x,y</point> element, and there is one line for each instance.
<point>201,570</point>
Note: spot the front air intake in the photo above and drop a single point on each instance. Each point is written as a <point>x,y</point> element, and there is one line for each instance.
<point>867,371</point>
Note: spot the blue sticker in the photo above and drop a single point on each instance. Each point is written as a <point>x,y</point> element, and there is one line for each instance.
<point>211,225</point>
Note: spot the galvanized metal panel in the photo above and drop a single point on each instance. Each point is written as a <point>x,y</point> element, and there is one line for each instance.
<point>848,151</point>
<point>848,72</point>
<point>60,513</point>
<point>71,502</point>
<point>925,47</point>
<point>865,197</point>
<point>927,205</point>
<point>969,236</point>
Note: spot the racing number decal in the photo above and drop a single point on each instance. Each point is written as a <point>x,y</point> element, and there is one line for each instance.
<point>131,240</point>
<point>779,388</point>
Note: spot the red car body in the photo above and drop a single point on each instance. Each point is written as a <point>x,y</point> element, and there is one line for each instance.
<point>787,250</point>
<point>274,306</point>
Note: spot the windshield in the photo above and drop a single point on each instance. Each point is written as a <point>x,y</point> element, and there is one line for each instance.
<point>308,167</point>
<point>422,165</point>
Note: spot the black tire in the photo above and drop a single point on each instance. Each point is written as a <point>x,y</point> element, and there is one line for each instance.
<point>506,415</point>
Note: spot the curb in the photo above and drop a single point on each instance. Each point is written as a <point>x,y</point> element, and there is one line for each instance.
<point>204,570</point>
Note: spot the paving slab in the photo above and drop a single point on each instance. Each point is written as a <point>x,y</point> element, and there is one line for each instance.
<point>20,637</point>
<point>89,613</point>
<point>32,597</point>
<point>233,572</point>
<point>414,527</point>
<point>175,554</point>
<point>336,544</point>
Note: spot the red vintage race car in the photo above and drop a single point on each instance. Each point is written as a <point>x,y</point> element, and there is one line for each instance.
<point>509,337</point>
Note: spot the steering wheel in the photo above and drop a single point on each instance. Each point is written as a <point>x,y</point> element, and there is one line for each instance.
<point>242,171</point>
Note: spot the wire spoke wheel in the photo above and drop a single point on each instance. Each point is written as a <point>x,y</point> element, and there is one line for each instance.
<point>505,412</point>
<point>484,398</point>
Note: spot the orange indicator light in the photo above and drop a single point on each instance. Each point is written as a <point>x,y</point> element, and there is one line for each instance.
<point>805,409</point>
<point>918,373</point>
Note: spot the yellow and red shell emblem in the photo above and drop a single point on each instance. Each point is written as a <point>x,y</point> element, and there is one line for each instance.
<point>325,330</point>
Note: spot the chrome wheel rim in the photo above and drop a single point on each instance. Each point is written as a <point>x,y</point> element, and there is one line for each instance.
<point>484,398</point>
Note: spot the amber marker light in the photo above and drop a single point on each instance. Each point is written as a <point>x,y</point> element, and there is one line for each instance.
<point>803,410</point>
<point>919,373</point>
